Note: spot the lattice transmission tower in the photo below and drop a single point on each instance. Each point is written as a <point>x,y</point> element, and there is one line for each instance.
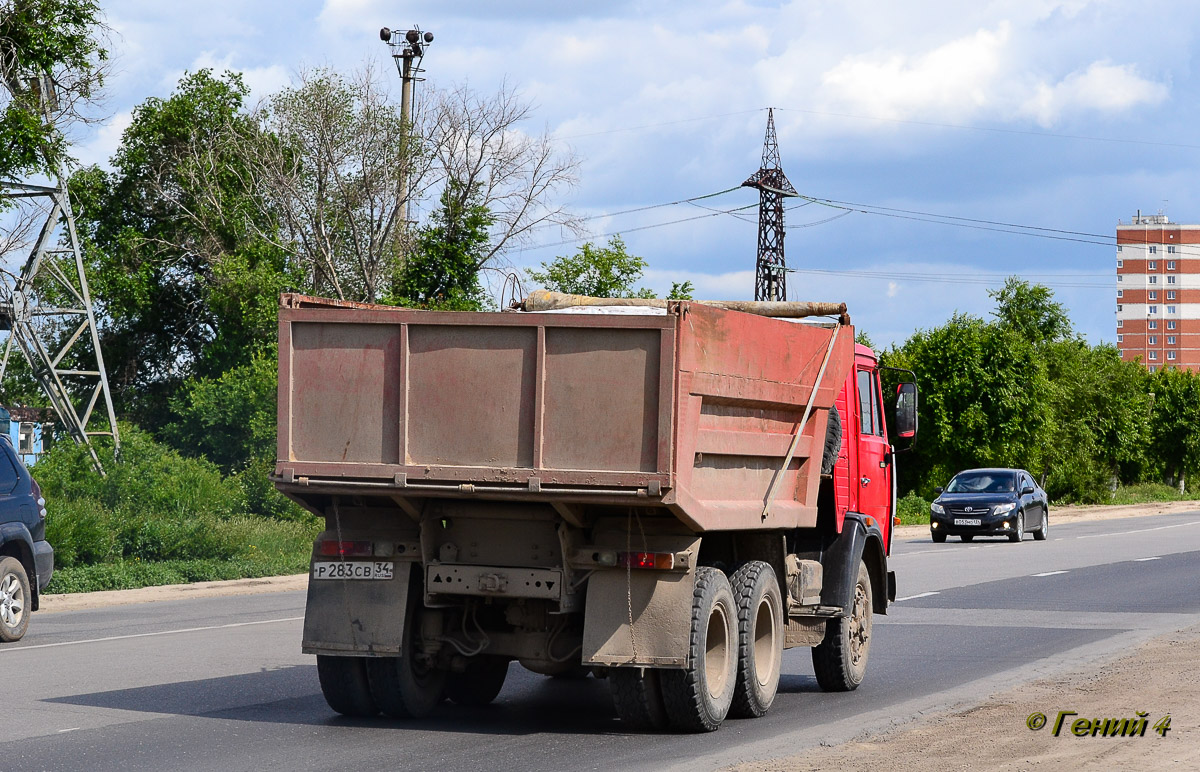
<point>770,273</point>
<point>46,308</point>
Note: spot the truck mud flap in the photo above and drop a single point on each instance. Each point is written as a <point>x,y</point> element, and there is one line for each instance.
<point>357,617</point>
<point>840,565</point>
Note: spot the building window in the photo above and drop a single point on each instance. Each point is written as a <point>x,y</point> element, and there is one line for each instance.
<point>1119,248</point>
<point>1120,277</point>
<point>1120,293</point>
<point>1153,295</point>
<point>1171,355</point>
<point>1171,279</point>
<point>1120,308</point>
<point>1170,309</point>
<point>1153,341</point>
<point>1170,340</point>
<point>1153,368</point>
<point>1154,280</point>
<point>1153,250</point>
<point>1120,323</point>
<point>1120,262</point>
<point>1170,294</point>
<point>1153,323</point>
<point>1152,309</point>
<point>1170,250</point>
<point>1120,338</point>
<point>1153,355</point>
<point>1170,324</point>
<point>1152,265</point>
<point>1170,265</point>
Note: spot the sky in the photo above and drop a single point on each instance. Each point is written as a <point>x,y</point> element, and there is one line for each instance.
<point>1065,116</point>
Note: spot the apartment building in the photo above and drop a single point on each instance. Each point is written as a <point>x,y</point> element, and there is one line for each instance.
<point>1158,292</point>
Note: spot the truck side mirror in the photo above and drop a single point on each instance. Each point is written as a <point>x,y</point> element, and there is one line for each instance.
<point>906,410</point>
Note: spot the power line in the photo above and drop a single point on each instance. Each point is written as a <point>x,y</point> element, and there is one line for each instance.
<point>634,230</point>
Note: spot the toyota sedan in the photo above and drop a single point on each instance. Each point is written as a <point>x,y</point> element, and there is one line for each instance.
<point>990,502</point>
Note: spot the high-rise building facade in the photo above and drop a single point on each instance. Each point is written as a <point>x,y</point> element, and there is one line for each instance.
<point>1158,292</point>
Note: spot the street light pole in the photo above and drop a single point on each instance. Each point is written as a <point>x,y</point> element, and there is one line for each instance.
<point>408,49</point>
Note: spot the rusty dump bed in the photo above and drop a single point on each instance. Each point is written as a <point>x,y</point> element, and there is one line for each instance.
<point>693,411</point>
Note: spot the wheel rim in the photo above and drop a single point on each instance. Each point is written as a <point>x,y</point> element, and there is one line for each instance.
<point>12,601</point>
<point>858,628</point>
<point>1020,526</point>
<point>765,636</point>
<point>717,651</point>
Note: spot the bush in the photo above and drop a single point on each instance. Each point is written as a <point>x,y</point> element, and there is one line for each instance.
<point>913,510</point>
<point>1147,492</point>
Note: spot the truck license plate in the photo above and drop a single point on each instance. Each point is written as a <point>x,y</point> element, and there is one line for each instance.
<point>967,521</point>
<point>341,569</point>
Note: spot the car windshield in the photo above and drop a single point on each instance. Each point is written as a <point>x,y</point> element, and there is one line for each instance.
<point>982,482</point>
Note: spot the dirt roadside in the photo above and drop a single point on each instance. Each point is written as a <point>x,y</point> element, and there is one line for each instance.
<point>1157,679</point>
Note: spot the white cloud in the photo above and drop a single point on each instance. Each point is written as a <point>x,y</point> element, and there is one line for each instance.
<point>104,143</point>
<point>1102,86</point>
<point>952,79</point>
<point>892,289</point>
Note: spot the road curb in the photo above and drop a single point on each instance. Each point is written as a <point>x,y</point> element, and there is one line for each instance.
<point>167,592</point>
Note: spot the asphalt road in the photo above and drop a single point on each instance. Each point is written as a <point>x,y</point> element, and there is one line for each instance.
<point>220,683</point>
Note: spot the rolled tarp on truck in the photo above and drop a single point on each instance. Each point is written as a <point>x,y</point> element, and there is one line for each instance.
<point>631,494</point>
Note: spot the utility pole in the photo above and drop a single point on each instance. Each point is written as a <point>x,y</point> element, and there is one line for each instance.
<point>408,49</point>
<point>47,309</point>
<point>770,273</point>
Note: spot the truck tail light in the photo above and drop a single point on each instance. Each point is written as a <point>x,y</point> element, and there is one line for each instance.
<point>345,549</point>
<point>662,561</point>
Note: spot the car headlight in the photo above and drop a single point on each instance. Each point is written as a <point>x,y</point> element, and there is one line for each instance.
<point>1003,508</point>
<point>936,509</point>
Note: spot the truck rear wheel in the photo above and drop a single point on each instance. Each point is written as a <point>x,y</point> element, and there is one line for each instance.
<point>698,697</point>
<point>344,684</point>
<point>760,639</point>
<point>407,686</point>
<point>637,696</point>
<point>479,684</point>
<point>840,661</point>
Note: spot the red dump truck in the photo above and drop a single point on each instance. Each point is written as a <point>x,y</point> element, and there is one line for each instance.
<point>667,499</point>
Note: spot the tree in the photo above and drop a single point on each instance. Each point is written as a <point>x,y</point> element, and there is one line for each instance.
<point>1030,311</point>
<point>53,59</point>
<point>443,269</point>
<point>602,272</point>
<point>183,281</point>
<point>681,291</point>
<point>1176,423</point>
<point>333,176</point>
<point>477,141</point>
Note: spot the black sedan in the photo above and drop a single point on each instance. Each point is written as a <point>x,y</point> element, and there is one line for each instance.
<point>990,502</point>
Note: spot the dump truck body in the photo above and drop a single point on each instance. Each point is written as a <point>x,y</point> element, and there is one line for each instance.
<point>559,488</point>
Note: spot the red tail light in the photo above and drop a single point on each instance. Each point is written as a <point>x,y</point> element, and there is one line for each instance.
<point>663,561</point>
<point>344,549</point>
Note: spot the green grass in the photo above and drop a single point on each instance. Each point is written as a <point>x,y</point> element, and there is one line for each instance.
<point>1144,493</point>
<point>131,575</point>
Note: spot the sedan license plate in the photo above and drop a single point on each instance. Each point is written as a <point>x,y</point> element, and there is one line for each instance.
<point>967,521</point>
<point>344,569</point>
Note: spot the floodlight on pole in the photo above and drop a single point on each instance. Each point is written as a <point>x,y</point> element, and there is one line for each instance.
<point>408,49</point>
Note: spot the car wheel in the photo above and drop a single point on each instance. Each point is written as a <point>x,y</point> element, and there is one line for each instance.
<point>1019,533</point>
<point>939,537</point>
<point>840,660</point>
<point>1041,533</point>
<point>698,698</point>
<point>967,537</point>
<point>14,600</point>
<point>760,639</point>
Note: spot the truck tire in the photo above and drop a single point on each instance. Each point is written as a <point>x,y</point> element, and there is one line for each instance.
<point>404,687</point>
<point>14,600</point>
<point>698,697</point>
<point>840,661</point>
<point>637,696</point>
<point>833,441</point>
<point>760,639</point>
<point>344,684</point>
<point>479,684</point>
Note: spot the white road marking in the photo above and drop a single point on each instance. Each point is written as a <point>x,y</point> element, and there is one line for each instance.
<point>72,729</point>
<point>149,635</point>
<point>1143,560</point>
<point>914,597</point>
<point>1050,573</point>
<point>1139,530</point>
